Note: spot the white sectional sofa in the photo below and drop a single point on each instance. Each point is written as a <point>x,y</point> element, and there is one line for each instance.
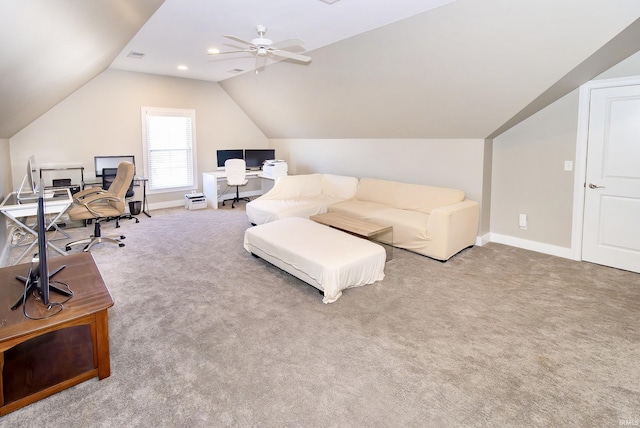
<point>436,222</point>
<point>301,196</point>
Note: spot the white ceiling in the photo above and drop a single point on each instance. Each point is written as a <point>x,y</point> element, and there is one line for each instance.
<point>181,31</point>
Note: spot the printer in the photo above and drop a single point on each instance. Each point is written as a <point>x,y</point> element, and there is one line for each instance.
<point>274,168</point>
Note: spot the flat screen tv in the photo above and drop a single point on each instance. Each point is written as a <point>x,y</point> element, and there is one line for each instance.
<point>102,162</point>
<point>224,155</point>
<point>254,158</point>
<point>37,280</point>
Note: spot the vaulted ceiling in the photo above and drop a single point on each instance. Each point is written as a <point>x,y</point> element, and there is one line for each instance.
<point>425,69</point>
<point>50,48</point>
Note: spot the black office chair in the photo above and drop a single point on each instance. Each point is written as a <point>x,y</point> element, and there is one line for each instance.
<point>108,176</point>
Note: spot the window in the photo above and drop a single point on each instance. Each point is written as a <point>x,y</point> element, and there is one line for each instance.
<point>168,139</point>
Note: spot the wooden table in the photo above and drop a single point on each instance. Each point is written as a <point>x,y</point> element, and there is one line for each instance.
<point>358,227</point>
<point>39,358</point>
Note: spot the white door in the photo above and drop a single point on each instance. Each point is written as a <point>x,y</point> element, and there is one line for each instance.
<point>611,228</point>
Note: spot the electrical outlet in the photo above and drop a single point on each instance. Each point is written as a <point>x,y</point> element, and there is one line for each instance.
<point>522,221</point>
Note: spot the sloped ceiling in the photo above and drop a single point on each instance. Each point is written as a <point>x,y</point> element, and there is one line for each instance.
<point>50,48</point>
<point>460,71</point>
<point>467,69</point>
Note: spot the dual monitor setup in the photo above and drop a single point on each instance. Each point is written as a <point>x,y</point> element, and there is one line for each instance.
<point>253,158</point>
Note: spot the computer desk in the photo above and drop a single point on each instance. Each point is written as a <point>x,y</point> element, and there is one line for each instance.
<point>19,210</point>
<point>210,184</point>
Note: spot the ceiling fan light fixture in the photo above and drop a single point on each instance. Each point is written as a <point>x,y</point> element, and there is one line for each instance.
<point>213,51</point>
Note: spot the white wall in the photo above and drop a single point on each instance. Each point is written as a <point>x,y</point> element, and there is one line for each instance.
<point>456,163</point>
<point>528,175</point>
<point>103,118</point>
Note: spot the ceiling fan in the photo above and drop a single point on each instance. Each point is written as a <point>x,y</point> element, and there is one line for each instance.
<point>263,47</point>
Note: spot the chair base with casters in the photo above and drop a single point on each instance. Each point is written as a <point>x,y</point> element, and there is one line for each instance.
<point>123,217</point>
<point>96,238</point>
<point>236,199</point>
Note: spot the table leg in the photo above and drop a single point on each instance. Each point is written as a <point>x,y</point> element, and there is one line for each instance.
<point>145,206</point>
<point>102,344</point>
<point>1,380</point>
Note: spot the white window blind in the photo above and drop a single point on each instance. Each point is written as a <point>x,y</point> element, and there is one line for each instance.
<point>169,148</point>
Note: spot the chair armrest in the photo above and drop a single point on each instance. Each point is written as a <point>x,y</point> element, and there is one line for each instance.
<point>77,197</point>
<point>99,197</point>
<point>93,202</point>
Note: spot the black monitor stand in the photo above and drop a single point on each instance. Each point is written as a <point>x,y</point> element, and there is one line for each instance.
<point>34,284</point>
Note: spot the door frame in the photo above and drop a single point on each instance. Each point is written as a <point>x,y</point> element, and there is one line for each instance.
<point>581,154</point>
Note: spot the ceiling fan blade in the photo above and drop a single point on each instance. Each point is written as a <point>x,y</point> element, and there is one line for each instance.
<point>291,55</point>
<point>228,52</point>
<point>287,43</point>
<point>236,39</point>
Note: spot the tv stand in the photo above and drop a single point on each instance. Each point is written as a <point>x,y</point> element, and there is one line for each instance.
<point>39,358</point>
<point>34,284</point>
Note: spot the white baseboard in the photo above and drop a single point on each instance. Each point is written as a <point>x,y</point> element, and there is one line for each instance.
<point>180,202</point>
<point>552,250</point>
<point>484,239</point>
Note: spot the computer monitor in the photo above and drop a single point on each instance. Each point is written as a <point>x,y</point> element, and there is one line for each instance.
<point>29,187</point>
<point>254,158</point>
<point>38,277</point>
<point>102,162</point>
<point>224,155</point>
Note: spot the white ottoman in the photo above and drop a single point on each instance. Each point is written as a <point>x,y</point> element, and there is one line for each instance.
<point>325,258</point>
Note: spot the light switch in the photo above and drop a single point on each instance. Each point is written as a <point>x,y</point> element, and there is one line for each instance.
<point>568,165</point>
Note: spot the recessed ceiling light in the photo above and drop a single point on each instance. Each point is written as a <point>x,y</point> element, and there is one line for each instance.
<point>236,70</point>
<point>183,67</point>
<point>135,55</point>
<point>329,1</point>
<point>213,51</point>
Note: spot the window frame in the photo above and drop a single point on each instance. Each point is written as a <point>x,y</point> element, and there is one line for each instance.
<point>169,112</point>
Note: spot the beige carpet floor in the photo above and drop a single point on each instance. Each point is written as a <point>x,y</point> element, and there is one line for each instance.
<point>203,334</point>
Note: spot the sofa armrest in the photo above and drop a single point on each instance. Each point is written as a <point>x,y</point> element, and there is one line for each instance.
<point>294,187</point>
<point>454,227</point>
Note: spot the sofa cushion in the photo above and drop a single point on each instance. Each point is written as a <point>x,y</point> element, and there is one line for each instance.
<point>339,186</point>
<point>407,196</point>
<point>356,208</point>
<point>409,227</point>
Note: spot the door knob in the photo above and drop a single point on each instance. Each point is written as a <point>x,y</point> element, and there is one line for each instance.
<point>595,186</point>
